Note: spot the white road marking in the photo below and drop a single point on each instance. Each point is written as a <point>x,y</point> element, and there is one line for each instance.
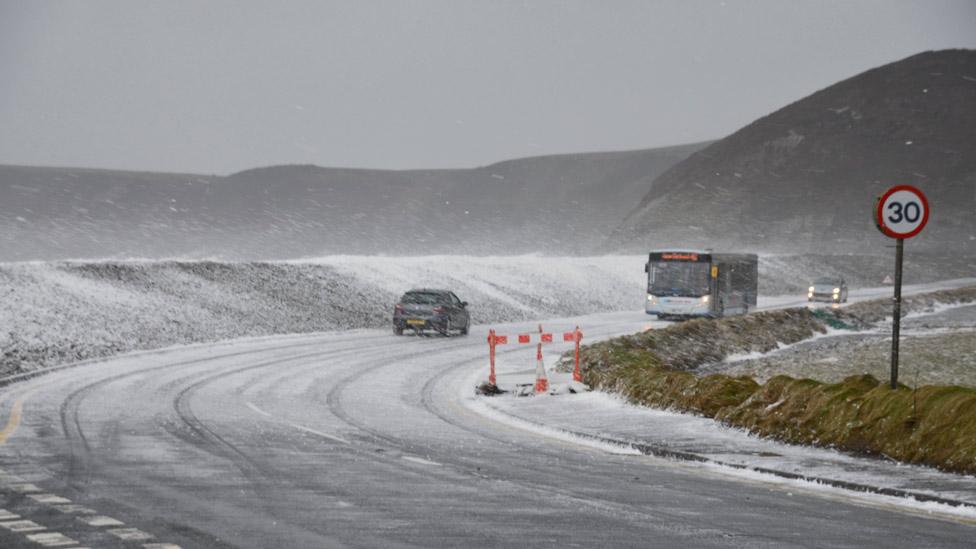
<point>7,515</point>
<point>160,546</point>
<point>421,461</point>
<point>51,539</point>
<point>74,508</point>
<point>22,526</point>
<point>130,534</point>
<point>50,499</point>
<point>8,479</point>
<point>101,520</point>
<point>24,488</point>
<point>258,410</point>
<point>320,433</point>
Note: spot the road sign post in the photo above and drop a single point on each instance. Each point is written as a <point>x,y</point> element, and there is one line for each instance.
<point>900,213</point>
<point>896,314</point>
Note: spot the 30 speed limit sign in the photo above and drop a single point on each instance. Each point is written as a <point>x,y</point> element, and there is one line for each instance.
<point>902,212</point>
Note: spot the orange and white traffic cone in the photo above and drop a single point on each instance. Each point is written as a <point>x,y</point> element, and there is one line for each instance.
<point>541,381</point>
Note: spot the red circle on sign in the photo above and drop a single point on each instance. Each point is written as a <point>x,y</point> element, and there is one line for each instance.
<point>879,213</point>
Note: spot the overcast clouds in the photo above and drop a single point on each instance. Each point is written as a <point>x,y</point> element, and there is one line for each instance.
<point>217,87</point>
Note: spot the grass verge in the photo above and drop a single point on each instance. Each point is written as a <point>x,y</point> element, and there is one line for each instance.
<point>930,425</point>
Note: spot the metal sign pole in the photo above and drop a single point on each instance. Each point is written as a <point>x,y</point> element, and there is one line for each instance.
<point>491,356</point>
<point>896,317</point>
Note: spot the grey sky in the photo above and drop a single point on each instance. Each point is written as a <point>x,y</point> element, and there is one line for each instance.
<point>217,87</point>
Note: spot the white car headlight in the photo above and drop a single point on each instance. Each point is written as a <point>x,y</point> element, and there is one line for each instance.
<point>705,298</point>
<point>836,290</point>
<point>811,289</point>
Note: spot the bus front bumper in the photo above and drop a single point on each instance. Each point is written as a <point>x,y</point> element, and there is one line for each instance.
<point>677,306</point>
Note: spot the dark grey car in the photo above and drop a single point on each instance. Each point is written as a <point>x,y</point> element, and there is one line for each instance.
<point>429,309</point>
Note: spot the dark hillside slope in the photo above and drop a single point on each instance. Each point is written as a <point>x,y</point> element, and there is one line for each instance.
<point>804,178</point>
<point>555,204</point>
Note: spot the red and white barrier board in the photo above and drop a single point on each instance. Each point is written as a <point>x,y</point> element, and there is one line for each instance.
<point>534,338</point>
<point>542,383</point>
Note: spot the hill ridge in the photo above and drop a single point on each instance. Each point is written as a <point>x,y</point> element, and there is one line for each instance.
<point>812,168</point>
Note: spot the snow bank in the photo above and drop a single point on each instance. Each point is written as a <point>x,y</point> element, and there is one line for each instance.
<point>61,312</point>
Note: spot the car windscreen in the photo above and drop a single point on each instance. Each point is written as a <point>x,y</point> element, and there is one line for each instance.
<point>424,298</point>
<point>678,278</point>
<point>826,282</point>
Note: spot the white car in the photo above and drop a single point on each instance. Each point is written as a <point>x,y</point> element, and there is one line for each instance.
<point>830,289</point>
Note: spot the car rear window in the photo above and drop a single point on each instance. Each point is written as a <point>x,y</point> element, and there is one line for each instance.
<point>424,298</point>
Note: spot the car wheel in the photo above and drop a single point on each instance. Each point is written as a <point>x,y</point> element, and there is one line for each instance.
<point>446,328</point>
<point>467,326</point>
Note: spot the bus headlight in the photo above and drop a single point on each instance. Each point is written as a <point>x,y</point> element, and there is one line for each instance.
<point>651,298</point>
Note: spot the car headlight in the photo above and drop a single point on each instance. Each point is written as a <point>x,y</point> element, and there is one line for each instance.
<point>810,294</point>
<point>705,298</point>
<point>811,289</point>
<point>836,290</point>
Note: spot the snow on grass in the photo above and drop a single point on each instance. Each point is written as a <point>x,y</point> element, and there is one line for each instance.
<point>68,311</point>
<point>937,348</point>
<point>528,286</point>
<point>737,357</point>
<point>599,417</point>
<point>932,509</point>
<point>783,347</point>
<point>934,309</point>
<point>484,407</point>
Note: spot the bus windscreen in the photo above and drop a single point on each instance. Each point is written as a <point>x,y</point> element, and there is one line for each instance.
<point>678,278</point>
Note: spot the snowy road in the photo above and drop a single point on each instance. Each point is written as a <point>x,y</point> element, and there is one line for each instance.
<point>365,439</point>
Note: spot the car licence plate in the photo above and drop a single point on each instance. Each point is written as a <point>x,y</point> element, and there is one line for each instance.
<point>415,322</point>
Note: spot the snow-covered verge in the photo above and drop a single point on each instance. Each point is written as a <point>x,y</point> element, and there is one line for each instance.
<point>606,421</point>
<point>933,425</point>
<point>55,313</point>
<point>937,344</point>
<point>934,349</point>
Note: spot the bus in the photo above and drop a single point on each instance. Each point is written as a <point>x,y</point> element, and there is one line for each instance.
<point>700,283</point>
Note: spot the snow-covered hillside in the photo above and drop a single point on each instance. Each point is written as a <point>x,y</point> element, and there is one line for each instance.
<point>66,311</point>
<point>61,312</point>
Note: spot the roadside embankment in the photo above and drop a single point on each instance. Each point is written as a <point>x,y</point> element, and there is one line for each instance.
<point>937,347</point>
<point>931,425</point>
<point>877,310</point>
<point>61,312</point>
